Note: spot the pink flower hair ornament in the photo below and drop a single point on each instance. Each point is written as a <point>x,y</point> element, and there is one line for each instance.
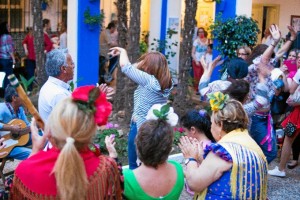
<point>90,100</point>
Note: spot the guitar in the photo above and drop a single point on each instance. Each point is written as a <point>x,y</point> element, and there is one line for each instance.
<point>15,139</point>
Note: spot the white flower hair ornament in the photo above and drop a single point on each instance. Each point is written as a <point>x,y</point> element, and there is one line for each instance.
<point>164,112</point>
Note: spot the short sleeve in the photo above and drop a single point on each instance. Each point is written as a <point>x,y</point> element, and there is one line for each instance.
<point>218,150</point>
<point>195,43</point>
<point>297,77</point>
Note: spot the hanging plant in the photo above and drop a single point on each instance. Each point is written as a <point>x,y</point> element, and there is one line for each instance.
<point>92,20</point>
<point>234,32</point>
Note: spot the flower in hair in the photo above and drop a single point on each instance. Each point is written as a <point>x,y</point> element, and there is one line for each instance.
<point>217,100</point>
<point>163,112</point>
<point>90,100</point>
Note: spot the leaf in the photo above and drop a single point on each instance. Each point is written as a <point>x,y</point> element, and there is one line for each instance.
<point>165,109</point>
<point>157,113</point>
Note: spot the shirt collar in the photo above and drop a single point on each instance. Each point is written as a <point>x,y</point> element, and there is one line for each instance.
<point>61,83</point>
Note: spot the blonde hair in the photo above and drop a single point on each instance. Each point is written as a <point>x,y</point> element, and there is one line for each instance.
<point>65,121</point>
<point>232,116</point>
<point>246,48</point>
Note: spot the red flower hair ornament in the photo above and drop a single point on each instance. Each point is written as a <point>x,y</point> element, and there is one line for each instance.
<point>90,100</point>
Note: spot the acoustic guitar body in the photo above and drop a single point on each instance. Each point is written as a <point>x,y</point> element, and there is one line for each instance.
<point>12,142</point>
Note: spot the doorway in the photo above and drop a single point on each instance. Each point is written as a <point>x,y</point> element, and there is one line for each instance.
<point>265,15</point>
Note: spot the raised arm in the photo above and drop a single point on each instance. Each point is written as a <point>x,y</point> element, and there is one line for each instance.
<point>275,33</point>
<point>124,60</point>
<point>208,69</point>
<point>285,47</point>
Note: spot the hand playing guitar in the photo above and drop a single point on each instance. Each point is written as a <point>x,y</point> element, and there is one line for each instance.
<point>2,145</point>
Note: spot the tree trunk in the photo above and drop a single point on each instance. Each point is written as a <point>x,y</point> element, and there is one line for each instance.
<point>182,101</point>
<point>121,78</point>
<point>133,52</point>
<point>39,41</point>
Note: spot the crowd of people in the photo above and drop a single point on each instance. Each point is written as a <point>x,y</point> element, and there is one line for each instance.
<point>226,152</point>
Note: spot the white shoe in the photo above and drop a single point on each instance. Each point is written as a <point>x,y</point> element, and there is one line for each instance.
<point>276,172</point>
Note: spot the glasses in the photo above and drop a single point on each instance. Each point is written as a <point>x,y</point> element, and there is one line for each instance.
<point>200,31</point>
<point>242,54</point>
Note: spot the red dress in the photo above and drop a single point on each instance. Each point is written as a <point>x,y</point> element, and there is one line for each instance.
<point>293,117</point>
<point>34,180</point>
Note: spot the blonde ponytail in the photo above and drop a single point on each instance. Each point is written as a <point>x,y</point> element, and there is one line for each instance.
<point>71,131</point>
<point>70,173</point>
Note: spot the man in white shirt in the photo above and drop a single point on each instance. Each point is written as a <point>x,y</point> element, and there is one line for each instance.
<point>60,69</point>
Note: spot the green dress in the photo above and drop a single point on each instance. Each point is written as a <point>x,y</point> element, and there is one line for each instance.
<point>134,191</point>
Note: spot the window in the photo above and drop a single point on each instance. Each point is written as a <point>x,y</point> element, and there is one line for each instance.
<point>12,11</point>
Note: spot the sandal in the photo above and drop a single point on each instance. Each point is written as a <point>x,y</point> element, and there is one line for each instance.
<point>292,164</point>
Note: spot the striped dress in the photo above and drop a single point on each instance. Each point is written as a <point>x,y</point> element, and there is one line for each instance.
<point>147,93</point>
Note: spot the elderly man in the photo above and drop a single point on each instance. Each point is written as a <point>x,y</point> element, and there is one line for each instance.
<point>9,110</point>
<point>60,69</point>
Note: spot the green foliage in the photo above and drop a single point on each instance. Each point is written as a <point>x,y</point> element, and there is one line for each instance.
<point>26,83</point>
<point>161,45</point>
<point>234,32</point>
<point>121,141</point>
<point>144,42</point>
<point>47,1</point>
<point>143,47</point>
<point>92,19</point>
<point>177,136</point>
<point>163,112</point>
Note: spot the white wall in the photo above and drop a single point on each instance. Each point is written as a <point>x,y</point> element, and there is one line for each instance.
<point>244,7</point>
<point>72,33</point>
<point>287,8</point>
<point>155,13</point>
<point>174,11</point>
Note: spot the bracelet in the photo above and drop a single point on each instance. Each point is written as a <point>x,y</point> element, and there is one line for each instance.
<point>291,40</point>
<point>273,45</point>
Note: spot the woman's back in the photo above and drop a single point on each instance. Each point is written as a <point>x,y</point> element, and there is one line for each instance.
<point>148,183</point>
<point>102,174</point>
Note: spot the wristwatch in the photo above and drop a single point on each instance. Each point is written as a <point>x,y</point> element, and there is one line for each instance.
<point>186,162</point>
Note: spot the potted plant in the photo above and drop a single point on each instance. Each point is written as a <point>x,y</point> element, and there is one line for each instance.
<point>234,32</point>
<point>92,21</point>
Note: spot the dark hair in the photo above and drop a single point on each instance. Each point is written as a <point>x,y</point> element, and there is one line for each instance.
<point>10,92</point>
<point>111,25</point>
<point>205,32</point>
<point>154,142</point>
<point>45,22</point>
<point>3,28</point>
<point>237,68</point>
<point>198,119</point>
<point>238,90</point>
<point>210,46</point>
<point>257,51</point>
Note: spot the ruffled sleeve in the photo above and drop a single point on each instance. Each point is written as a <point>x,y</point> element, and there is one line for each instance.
<point>218,150</point>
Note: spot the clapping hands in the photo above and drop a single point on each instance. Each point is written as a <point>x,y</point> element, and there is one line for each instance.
<point>109,91</point>
<point>191,148</point>
<point>110,145</point>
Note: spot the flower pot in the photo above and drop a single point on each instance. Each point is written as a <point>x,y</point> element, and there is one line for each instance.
<point>44,5</point>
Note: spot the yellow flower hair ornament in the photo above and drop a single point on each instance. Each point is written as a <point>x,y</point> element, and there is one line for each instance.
<point>217,100</point>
